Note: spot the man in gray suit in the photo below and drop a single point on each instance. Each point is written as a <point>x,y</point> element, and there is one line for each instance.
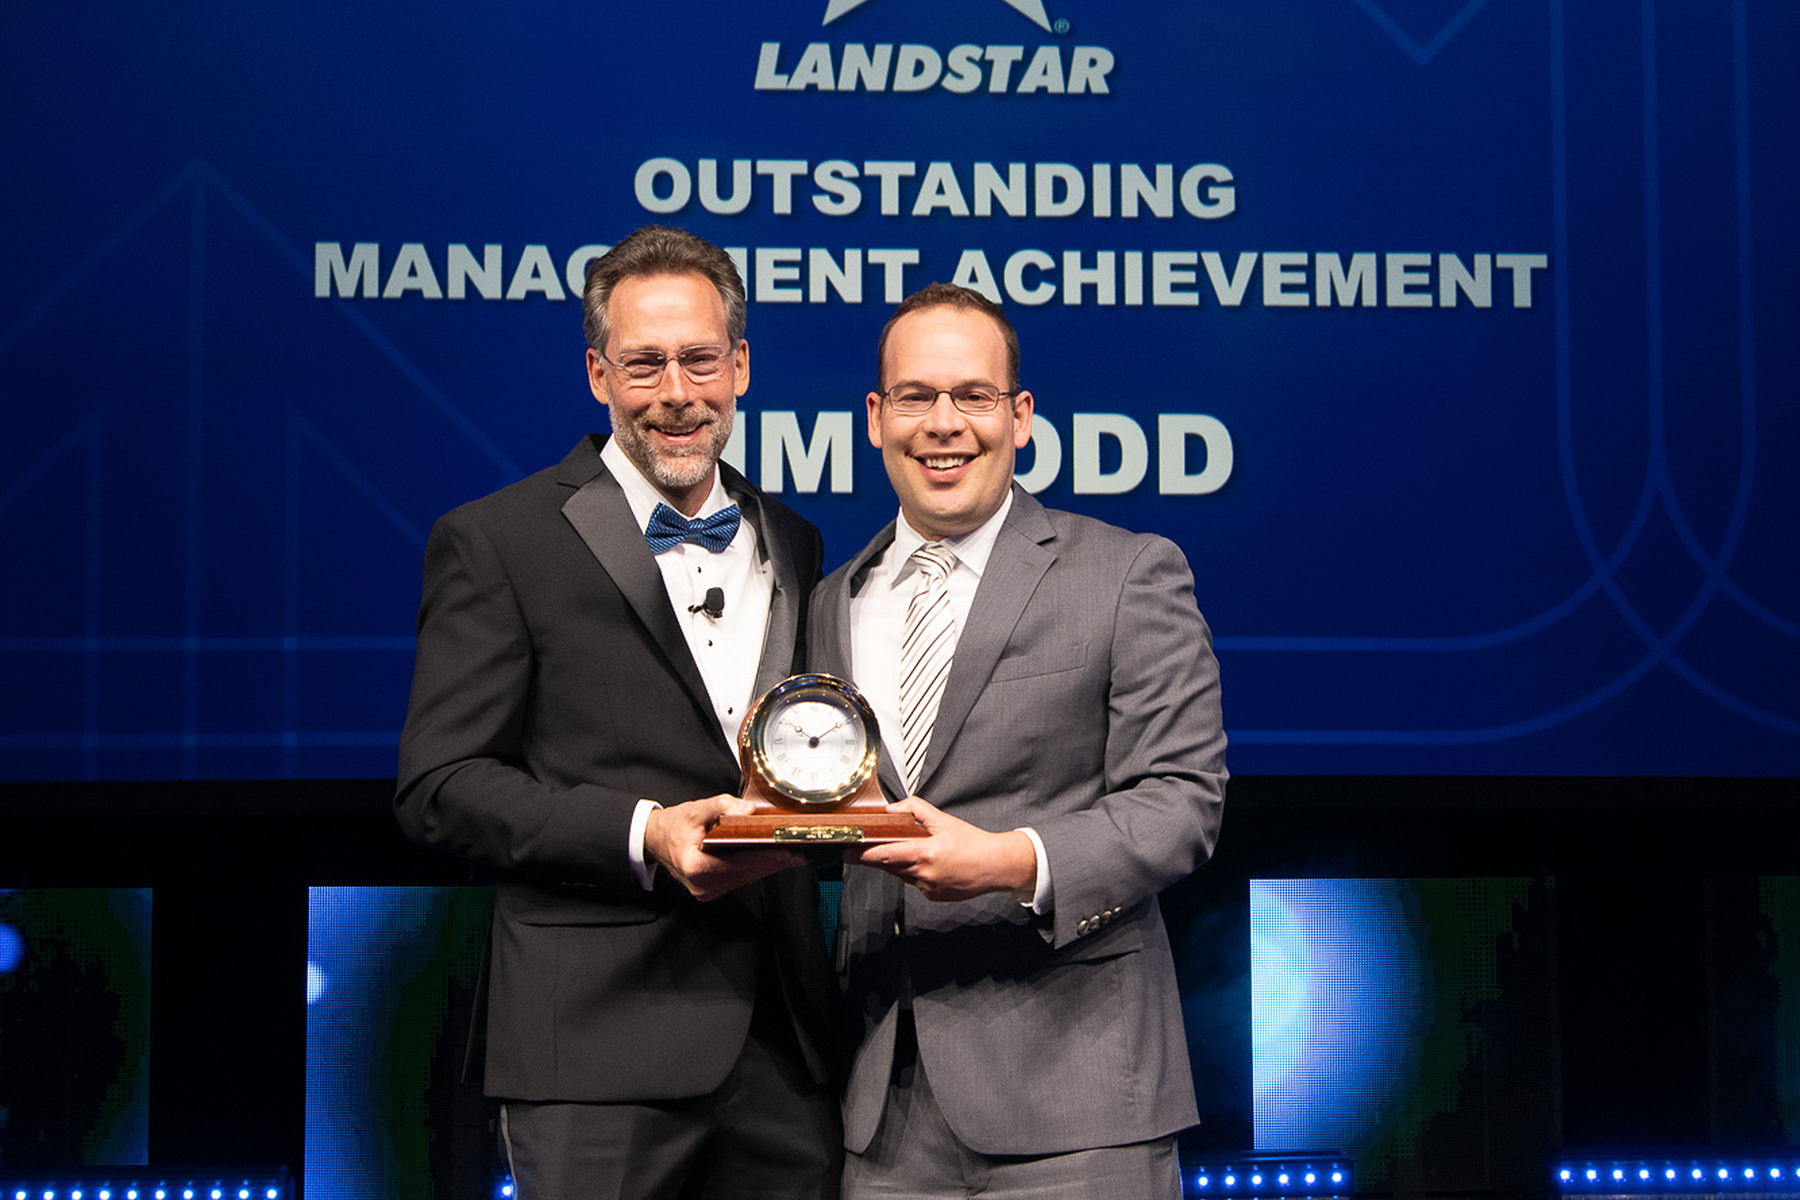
<point>1049,703</point>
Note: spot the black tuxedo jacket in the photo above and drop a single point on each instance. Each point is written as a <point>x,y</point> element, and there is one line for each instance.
<point>553,689</point>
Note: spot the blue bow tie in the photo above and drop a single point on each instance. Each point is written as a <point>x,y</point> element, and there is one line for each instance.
<point>669,528</point>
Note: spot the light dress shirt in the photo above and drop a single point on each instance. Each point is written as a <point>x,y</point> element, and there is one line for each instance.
<point>727,648</point>
<point>878,626</point>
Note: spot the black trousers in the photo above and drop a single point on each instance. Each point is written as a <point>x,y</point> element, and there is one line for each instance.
<point>768,1133</point>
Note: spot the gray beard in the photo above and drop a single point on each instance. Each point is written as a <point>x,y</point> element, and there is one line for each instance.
<point>677,471</point>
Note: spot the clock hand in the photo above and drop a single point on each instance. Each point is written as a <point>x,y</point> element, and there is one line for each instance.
<point>812,741</point>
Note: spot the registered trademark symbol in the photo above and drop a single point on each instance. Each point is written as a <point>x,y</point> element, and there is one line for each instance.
<point>1062,26</point>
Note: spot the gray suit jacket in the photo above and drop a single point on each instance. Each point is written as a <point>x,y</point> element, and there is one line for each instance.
<point>1083,701</point>
<point>554,688</point>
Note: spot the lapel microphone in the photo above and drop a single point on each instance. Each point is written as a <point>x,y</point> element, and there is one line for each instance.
<point>714,604</point>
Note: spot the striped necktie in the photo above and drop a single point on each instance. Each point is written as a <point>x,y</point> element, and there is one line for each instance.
<point>925,654</point>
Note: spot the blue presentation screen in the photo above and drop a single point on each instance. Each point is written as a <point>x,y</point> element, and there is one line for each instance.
<point>74,1028</point>
<point>1409,1023</point>
<point>1450,340</point>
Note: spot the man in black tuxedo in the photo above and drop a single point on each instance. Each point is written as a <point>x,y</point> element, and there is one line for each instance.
<point>589,638</point>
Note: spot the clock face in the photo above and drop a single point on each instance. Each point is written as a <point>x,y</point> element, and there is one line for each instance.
<point>812,739</point>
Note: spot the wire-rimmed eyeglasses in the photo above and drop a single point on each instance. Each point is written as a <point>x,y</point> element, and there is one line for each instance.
<point>701,364</point>
<point>915,399</point>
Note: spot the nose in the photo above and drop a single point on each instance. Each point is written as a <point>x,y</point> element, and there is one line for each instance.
<point>674,382</point>
<point>944,416</point>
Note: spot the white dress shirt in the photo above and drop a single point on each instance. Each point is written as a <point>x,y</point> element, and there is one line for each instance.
<point>878,626</point>
<point>727,648</point>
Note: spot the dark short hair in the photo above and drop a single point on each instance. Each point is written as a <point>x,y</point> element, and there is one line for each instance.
<point>659,250</point>
<point>949,295</point>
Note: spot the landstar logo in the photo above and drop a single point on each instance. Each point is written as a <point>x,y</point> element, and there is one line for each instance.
<point>1031,8</point>
<point>915,67</point>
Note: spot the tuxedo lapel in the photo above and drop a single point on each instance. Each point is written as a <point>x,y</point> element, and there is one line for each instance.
<point>603,519</point>
<point>777,660</point>
<point>1018,561</point>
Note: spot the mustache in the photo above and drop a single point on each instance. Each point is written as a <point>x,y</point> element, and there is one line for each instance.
<point>688,422</point>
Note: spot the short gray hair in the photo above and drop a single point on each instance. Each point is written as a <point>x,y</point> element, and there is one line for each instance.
<point>659,250</point>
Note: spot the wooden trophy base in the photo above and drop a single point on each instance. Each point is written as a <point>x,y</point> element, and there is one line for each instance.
<point>862,820</point>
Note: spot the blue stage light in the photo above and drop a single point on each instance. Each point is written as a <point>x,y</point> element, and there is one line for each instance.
<point>1267,1175</point>
<point>116,1183</point>
<point>1619,1176</point>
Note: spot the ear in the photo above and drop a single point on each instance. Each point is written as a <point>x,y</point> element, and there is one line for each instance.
<point>741,368</point>
<point>875,419</point>
<point>1023,406</point>
<point>596,372</point>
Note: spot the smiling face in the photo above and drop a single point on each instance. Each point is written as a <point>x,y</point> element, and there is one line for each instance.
<point>673,429</point>
<point>950,469</point>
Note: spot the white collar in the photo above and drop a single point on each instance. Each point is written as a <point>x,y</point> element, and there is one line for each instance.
<point>643,496</point>
<point>971,549</point>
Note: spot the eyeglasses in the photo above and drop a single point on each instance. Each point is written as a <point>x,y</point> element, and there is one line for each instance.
<point>699,363</point>
<point>915,399</point>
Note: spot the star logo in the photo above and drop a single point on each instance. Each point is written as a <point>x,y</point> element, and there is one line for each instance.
<point>1030,8</point>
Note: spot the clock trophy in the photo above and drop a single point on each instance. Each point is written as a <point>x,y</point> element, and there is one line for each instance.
<point>809,748</point>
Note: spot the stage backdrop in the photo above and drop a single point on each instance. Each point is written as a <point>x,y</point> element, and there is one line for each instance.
<point>1451,339</point>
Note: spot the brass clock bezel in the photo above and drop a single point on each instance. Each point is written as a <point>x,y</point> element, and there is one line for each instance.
<point>839,693</point>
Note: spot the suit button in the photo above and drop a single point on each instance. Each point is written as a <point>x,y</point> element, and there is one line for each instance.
<point>1082,925</point>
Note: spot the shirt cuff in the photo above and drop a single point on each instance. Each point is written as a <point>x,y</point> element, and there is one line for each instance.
<point>1042,899</point>
<point>644,871</point>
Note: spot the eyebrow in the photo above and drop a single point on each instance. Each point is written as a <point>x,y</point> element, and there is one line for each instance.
<point>920,383</point>
<point>678,349</point>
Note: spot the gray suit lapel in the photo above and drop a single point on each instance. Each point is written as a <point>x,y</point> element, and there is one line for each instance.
<point>1019,559</point>
<point>834,636</point>
<point>603,519</point>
